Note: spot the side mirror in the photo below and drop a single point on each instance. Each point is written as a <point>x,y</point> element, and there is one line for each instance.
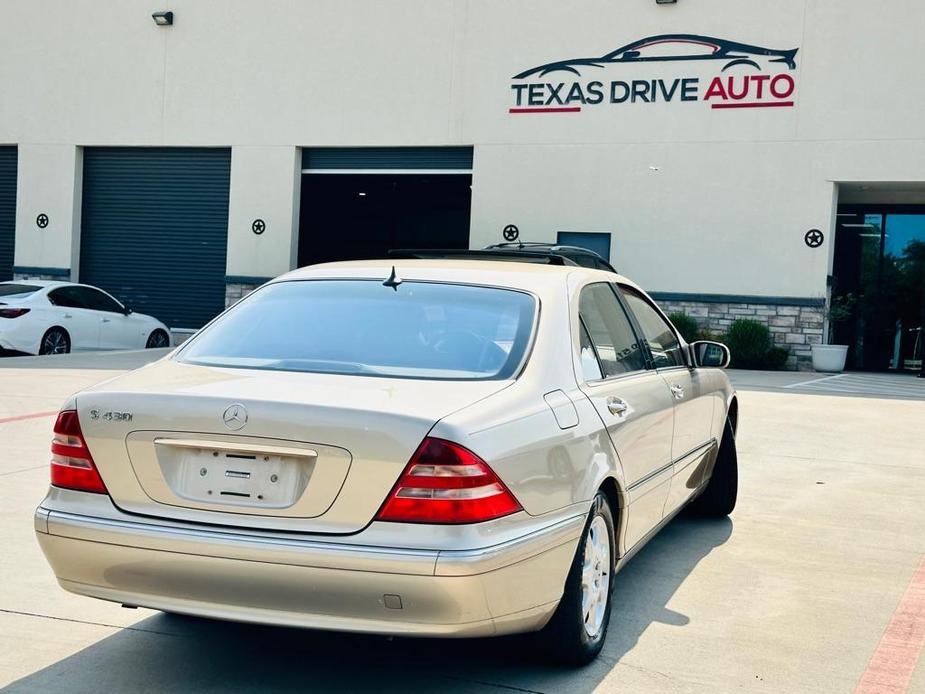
<point>713,355</point>
<point>127,311</point>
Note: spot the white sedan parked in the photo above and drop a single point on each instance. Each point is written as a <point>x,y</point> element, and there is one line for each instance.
<point>39,317</point>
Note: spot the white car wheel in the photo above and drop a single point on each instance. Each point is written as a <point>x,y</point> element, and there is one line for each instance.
<point>55,341</point>
<point>157,340</point>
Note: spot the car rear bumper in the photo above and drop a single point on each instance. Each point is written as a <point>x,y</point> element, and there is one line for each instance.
<point>22,334</point>
<point>11,341</point>
<point>510,587</point>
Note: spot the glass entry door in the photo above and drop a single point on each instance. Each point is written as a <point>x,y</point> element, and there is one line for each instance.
<point>879,272</point>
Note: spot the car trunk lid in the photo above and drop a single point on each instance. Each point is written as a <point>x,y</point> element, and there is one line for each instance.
<point>264,449</point>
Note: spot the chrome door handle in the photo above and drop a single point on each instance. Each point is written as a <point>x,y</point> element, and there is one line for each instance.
<point>104,320</point>
<point>617,406</point>
<point>677,391</point>
<point>68,315</point>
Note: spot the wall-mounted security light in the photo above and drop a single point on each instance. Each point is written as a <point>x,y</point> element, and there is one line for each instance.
<point>163,19</point>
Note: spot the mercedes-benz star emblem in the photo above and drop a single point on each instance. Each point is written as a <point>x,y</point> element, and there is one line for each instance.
<point>235,417</point>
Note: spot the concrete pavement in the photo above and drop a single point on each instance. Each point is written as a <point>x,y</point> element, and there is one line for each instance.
<point>792,594</point>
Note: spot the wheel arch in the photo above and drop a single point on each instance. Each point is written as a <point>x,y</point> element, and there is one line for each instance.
<point>154,331</point>
<point>615,497</point>
<point>732,414</point>
<point>44,334</point>
<point>55,327</point>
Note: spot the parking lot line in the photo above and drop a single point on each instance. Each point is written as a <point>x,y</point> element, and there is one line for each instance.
<point>21,417</point>
<point>891,667</point>
<point>814,380</point>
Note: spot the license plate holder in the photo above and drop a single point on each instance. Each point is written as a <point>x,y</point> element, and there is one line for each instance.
<point>265,480</point>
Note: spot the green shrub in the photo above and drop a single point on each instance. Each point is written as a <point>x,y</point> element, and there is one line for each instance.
<point>686,325</point>
<point>750,344</point>
<point>776,358</point>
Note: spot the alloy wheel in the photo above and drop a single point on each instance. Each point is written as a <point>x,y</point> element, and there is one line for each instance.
<point>54,343</point>
<point>158,340</point>
<point>595,577</point>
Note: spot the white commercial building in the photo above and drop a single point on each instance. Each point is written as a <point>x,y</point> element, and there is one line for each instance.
<point>736,158</point>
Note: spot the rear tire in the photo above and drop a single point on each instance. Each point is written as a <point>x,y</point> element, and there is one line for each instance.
<point>576,632</point>
<point>157,340</point>
<point>719,498</point>
<point>55,341</point>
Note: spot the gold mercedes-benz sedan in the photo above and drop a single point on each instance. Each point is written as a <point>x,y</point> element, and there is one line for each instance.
<point>443,448</point>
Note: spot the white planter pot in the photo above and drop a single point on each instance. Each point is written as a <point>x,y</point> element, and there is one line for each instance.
<point>829,358</point>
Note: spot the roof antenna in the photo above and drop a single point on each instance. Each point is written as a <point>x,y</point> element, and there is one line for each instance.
<point>393,281</point>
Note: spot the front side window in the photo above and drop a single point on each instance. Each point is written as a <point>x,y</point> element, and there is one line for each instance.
<point>610,332</point>
<point>663,343</point>
<point>359,327</point>
<point>99,301</point>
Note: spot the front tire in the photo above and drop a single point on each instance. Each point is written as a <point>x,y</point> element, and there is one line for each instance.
<point>55,341</point>
<point>576,632</point>
<point>719,498</point>
<point>157,340</point>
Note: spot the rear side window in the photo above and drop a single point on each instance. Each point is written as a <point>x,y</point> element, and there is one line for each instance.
<point>610,332</point>
<point>421,330</point>
<point>586,261</point>
<point>664,345</point>
<point>17,291</point>
<point>67,297</point>
<point>590,366</point>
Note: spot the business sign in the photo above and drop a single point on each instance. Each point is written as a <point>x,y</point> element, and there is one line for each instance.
<point>747,76</point>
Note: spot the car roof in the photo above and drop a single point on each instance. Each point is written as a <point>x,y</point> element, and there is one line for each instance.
<point>48,285</point>
<point>499,273</point>
<point>37,283</point>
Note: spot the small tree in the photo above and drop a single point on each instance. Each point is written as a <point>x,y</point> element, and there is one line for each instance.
<point>839,310</point>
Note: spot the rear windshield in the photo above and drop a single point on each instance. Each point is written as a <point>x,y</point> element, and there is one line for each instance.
<point>421,330</point>
<point>17,291</point>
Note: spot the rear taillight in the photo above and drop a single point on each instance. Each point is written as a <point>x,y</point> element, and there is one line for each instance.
<point>72,465</point>
<point>13,312</point>
<point>446,483</point>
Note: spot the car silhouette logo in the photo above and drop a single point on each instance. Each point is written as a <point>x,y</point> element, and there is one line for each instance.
<point>235,417</point>
<point>686,47</point>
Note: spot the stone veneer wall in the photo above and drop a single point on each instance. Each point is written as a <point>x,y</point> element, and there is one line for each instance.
<point>18,276</point>
<point>796,328</point>
<point>237,290</point>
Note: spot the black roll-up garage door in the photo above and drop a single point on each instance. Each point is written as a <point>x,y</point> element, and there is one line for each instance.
<point>154,229</point>
<point>385,158</point>
<point>7,211</point>
<point>360,202</point>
